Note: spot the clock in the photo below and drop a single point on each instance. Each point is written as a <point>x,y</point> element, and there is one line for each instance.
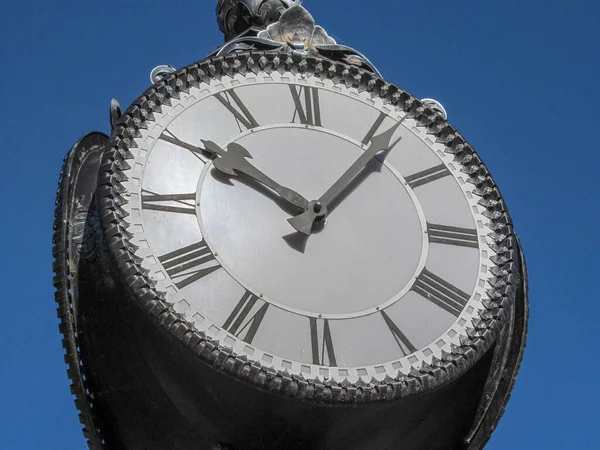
<point>276,248</point>
<point>308,228</point>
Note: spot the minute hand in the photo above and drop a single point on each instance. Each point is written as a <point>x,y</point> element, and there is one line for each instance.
<point>233,161</point>
<point>319,209</point>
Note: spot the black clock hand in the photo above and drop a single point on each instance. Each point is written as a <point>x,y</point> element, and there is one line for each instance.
<point>318,209</point>
<point>233,161</point>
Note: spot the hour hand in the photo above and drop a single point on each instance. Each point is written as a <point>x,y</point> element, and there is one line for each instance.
<point>233,161</point>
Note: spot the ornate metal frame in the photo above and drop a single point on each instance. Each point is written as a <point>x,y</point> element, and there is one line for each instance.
<point>66,294</point>
<point>294,31</point>
<point>237,16</point>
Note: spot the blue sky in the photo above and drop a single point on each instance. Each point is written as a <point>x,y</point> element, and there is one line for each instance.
<point>519,79</point>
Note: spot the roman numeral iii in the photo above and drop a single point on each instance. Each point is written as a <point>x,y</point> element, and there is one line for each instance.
<point>246,317</point>
<point>189,264</point>
<point>310,112</point>
<point>322,343</point>
<point>235,105</point>
<point>440,292</point>
<point>443,234</point>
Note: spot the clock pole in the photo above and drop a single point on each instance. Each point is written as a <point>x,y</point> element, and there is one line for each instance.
<point>146,370</point>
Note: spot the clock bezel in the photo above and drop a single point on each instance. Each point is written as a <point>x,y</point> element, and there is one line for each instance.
<point>471,346</point>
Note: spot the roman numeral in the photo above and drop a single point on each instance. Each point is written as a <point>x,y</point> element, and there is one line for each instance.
<point>322,348</point>
<point>169,137</point>
<point>374,128</point>
<point>440,292</point>
<point>443,234</point>
<point>403,342</point>
<point>310,112</point>
<point>189,264</point>
<point>427,176</point>
<point>236,106</point>
<point>246,317</point>
<point>185,202</point>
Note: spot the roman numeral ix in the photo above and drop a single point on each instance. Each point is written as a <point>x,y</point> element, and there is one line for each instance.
<point>189,264</point>
<point>184,202</point>
<point>403,342</point>
<point>440,292</point>
<point>443,234</point>
<point>310,112</point>
<point>322,347</point>
<point>246,317</point>
<point>235,105</point>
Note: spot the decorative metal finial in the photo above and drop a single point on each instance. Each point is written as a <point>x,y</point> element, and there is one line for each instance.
<point>237,16</point>
<point>282,25</point>
<point>159,72</point>
<point>436,106</point>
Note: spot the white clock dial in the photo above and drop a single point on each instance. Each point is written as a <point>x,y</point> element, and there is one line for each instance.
<point>392,279</point>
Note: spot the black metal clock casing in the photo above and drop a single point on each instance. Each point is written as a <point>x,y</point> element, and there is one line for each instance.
<point>275,248</point>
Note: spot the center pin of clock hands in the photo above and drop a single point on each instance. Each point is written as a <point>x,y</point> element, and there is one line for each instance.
<point>233,161</point>
<point>317,210</point>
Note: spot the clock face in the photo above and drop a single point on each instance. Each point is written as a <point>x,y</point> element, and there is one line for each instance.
<point>393,278</point>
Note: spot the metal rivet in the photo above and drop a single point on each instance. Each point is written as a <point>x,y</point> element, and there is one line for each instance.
<point>198,204</point>
<point>320,316</point>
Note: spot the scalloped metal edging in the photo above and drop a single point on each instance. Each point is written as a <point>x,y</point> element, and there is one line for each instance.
<point>63,296</point>
<point>441,371</point>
